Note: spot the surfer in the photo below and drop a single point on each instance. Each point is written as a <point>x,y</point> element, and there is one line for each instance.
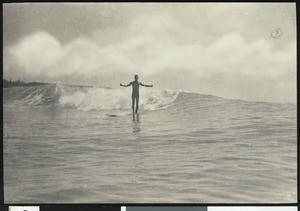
<point>135,91</point>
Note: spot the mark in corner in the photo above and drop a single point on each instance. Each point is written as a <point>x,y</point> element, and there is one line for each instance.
<point>276,33</point>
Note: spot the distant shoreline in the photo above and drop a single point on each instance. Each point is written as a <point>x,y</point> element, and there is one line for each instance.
<point>7,84</point>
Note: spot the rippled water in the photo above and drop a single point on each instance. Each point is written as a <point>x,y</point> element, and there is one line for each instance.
<point>201,149</point>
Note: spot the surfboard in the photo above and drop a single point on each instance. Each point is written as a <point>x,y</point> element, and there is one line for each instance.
<point>112,115</point>
<point>122,114</point>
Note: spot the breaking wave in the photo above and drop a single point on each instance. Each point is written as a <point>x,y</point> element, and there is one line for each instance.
<point>86,98</point>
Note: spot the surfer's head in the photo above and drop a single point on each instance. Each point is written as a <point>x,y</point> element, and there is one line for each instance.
<point>136,77</point>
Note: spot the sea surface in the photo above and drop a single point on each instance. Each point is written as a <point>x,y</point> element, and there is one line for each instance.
<point>68,144</point>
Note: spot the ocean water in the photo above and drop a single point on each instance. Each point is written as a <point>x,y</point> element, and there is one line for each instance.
<point>60,146</point>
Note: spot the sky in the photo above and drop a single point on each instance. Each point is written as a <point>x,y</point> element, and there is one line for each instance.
<point>223,49</point>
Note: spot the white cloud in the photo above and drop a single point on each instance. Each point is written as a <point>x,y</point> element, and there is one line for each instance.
<point>36,53</point>
<point>153,52</point>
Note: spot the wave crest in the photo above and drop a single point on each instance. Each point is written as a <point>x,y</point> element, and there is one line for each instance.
<point>117,99</point>
<point>87,98</point>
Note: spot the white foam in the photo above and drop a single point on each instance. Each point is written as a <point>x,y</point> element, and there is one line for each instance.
<point>117,99</point>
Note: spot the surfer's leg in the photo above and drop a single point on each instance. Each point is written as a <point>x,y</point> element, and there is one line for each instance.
<point>137,104</point>
<point>132,97</point>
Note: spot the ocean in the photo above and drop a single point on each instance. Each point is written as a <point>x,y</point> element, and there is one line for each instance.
<point>72,144</point>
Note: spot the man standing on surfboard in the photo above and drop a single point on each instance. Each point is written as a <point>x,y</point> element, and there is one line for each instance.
<point>135,91</point>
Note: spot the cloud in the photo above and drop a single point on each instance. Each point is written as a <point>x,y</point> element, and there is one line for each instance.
<point>160,49</point>
<point>35,53</point>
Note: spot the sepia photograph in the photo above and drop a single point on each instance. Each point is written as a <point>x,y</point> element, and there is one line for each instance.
<point>149,103</point>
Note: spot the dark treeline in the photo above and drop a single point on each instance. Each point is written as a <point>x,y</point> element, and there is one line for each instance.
<point>11,83</point>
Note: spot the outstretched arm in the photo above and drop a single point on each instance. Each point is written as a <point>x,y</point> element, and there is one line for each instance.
<point>146,85</point>
<point>125,85</point>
